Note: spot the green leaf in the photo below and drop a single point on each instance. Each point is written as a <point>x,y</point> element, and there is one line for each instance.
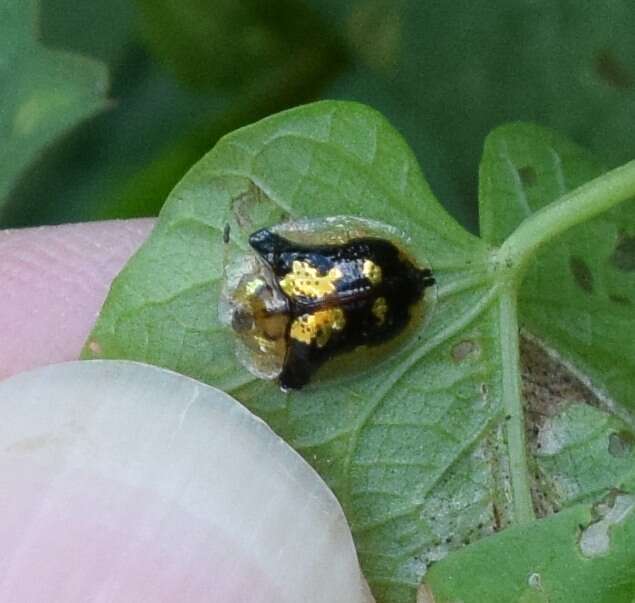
<point>408,446</point>
<point>579,294</point>
<point>43,93</point>
<point>581,554</point>
<point>426,451</point>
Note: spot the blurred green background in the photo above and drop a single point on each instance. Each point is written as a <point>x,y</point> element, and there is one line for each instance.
<point>185,72</point>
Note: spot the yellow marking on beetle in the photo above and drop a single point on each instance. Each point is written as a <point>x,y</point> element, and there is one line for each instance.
<point>253,287</point>
<point>371,271</point>
<point>305,281</point>
<point>318,326</point>
<point>379,309</point>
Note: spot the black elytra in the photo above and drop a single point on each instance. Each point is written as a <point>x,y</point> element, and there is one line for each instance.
<point>353,298</point>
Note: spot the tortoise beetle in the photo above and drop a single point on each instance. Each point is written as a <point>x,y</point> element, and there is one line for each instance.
<point>317,289</point>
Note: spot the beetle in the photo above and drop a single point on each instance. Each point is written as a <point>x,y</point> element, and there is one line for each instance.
<point>314,296</point>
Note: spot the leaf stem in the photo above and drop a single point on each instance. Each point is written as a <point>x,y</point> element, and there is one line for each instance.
<point>571,209</point>
<point>523,511</point>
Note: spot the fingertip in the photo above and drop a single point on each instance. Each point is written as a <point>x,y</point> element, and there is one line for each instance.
<point>54,280</point>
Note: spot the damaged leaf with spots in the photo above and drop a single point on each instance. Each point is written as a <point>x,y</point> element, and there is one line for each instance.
<point>583,453</point>
<point>580,450</point>
<point>425,449</point>
<point>578,297</point>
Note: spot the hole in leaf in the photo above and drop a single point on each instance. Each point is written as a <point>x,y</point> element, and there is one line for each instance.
<point>581,273</point>
<point>464,349</point>
<point>528,175</point>
<point>595,538</point>
<point>612,71</point>
<point>621,444</point>
<point>623,257</point>
<point>535,581</point>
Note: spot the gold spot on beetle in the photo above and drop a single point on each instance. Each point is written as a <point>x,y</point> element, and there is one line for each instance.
<point>371,271</point>
<point>305,280</point>
<point>379,310</point>
<point>317,327</point>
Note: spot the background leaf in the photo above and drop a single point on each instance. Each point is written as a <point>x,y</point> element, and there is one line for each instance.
<point>233,42</point>
<point>579,295</point>
<point>101,30</point>
<point>545,561</point>
<point>444,74</point>
<point>124,163</point>
<point>43,93</point>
